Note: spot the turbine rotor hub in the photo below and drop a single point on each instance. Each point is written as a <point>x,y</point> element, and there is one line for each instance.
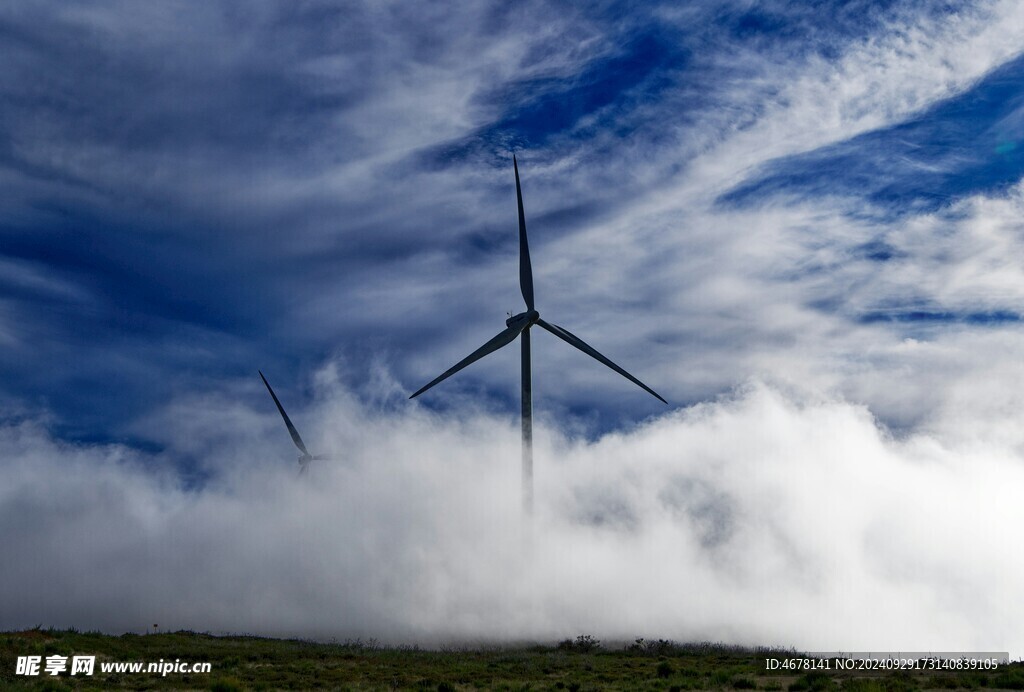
<point>525,318</point>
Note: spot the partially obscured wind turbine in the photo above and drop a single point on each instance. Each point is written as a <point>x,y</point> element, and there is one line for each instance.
<point>520,325</point>
<point>305,457</point>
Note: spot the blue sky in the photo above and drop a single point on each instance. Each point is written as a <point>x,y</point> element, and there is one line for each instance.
<point>192,194</point>
<point>821,199</point>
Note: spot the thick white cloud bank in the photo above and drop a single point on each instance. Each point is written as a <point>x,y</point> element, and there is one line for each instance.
<point>763,518</point>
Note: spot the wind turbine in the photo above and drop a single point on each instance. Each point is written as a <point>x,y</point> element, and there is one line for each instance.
<point>519,325</point>
<point>305,457</point>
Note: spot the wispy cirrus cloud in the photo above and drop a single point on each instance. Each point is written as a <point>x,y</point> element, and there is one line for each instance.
<point>220,187</point>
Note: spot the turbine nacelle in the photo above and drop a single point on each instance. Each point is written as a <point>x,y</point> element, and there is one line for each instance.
<point>523,319</point>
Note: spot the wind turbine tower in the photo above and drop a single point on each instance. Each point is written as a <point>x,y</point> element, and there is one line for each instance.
<point>519,325</point>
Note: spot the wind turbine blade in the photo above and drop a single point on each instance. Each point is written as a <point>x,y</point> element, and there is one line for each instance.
<point>570,338</point>
<point>287,421</point>
<point>502,339</point>
<point>323,457</point>
<point>525,268</point>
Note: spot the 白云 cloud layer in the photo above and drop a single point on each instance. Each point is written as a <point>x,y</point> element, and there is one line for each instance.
<point>756,519</point>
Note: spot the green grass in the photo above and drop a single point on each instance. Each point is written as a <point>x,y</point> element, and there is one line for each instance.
<point>253,663</point>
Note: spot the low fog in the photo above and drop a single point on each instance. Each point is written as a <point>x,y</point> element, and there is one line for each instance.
<point>762,518</point>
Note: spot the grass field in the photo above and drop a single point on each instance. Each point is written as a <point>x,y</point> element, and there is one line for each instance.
<point>242,663</point>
